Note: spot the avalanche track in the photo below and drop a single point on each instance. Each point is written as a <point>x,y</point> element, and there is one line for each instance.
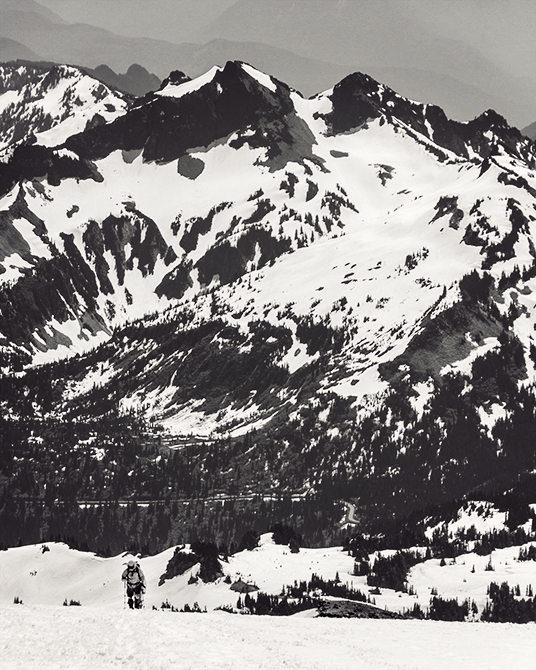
<point>90,638</point>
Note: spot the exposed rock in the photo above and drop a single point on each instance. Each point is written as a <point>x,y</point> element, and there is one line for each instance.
<point>190,166</point>
<point>349,609</point>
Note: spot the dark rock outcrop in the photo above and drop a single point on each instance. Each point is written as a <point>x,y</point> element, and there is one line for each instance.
<point>349,609</point>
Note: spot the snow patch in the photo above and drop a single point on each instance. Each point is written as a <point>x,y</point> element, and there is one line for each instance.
<point>261,77</point>
<point>187,87</point>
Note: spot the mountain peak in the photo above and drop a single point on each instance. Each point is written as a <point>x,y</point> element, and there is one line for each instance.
<point>136,81</point>
<point>177,84</point>
<point>360,82</point>
<point>185,114</point>
<point>33,8</point>
<point>493,118</point>
<point>171,85</point>
<point>262,78</point>
<point>47,103</point>
<point>359,99</point>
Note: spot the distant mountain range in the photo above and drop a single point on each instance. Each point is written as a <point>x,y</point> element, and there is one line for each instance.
<point>530,131</point>
<point>391,41</point>
<point>12,50</point>
<point>136,80</point>
<point>421,66</point>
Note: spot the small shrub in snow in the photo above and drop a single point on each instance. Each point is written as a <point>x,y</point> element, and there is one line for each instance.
<point>227,608</point>
<point>528,554</point>
<point>166,605</point>
<point>193,609</point>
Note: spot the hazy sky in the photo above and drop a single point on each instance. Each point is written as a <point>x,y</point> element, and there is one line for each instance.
<point>503,30</point>
<point>172,20</point>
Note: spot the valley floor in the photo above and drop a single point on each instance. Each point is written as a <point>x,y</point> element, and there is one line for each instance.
<point>80,638</point>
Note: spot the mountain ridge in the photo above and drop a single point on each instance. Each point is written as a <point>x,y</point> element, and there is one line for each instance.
<point>12,50</point>
<point>530,131</point>
<point>89,46</point>
<point>341,284</point>
<point>369,36</point>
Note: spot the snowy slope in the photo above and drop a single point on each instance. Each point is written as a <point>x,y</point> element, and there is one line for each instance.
<point>87,638</point>
<point>231,199</point>
<point>48,578</point>
<point>50,103</point>
<point>101,633</point>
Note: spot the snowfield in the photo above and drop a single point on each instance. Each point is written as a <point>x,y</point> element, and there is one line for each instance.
<point>87,638</point>
<point>48,578</point>
<point>41,633</point>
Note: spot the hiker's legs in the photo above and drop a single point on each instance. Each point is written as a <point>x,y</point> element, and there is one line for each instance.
<point>130,594</point>
<point>138,598</point>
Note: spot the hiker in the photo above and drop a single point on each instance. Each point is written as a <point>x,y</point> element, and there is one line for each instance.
<point>135,582</point>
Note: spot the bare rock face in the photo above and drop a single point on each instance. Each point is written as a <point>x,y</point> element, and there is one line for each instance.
<point>189,166</point>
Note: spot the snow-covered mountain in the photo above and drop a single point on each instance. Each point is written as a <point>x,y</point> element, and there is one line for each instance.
<point>205,181</point>
<point>50,103</point>
<point>351,265</point>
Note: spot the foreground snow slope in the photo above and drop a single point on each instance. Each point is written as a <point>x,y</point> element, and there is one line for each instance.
<point>87,638</point>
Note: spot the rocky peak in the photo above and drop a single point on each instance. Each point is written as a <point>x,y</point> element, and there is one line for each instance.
<point>354,100</point>
<point>490,130</point>
<point>50,102</point>
<point>359,99</point>
<point>184,115</point>
<point>175,78</point>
